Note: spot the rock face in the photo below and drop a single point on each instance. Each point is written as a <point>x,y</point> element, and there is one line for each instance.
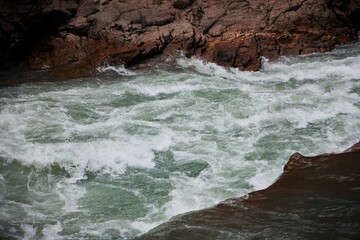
<point>315,198</point>
<point>77,35</point>
<point>25,24</point>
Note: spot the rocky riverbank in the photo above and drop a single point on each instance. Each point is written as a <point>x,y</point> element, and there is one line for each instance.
<point>315,198</point>
<point>73,37</point>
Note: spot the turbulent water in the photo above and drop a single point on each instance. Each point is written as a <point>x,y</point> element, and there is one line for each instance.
<point>115,155</point>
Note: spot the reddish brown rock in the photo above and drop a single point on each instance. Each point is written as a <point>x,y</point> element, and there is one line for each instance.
<point>80,35</point>
<point>315,198</point>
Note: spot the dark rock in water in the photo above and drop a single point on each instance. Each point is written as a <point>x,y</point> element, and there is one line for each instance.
<point>315,198</point>
<point>73,37</point>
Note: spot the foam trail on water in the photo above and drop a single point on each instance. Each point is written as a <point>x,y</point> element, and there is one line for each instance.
<point>29,231</point>
<point>121,70</point>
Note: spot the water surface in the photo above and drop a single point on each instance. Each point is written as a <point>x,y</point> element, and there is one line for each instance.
<point>116,154</point>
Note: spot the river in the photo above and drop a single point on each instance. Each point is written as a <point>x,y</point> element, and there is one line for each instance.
<point>116,154</point>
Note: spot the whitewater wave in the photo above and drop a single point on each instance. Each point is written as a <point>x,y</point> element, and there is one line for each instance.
<point>284,69</point>
<point>121,70</point>
<point>103,156</point>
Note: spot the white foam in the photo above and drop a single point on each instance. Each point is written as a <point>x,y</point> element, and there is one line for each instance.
<point>70,194</point>
<point>29,231</point>
<point>264,175</point>
<point>143,226</point>
<point>286,68</point>
<point>50,232</point>
<point>121,70</point>
<point>281,70</point>
<point>208,68</point>
<point>301,117</point>
<point>165,88</point>
<point>185,196</point>
<point>99,229</point>
<point>105,156</point>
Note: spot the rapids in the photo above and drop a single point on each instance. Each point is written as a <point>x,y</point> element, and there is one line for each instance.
<point>116,154</point>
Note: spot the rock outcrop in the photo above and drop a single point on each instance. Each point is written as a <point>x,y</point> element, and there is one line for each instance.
<point>315,198</point>
<point>75,36</point>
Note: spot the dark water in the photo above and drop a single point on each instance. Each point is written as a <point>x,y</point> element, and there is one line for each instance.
<point>117,154</point>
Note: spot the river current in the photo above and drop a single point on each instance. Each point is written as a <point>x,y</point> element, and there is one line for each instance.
<point>116,154</point>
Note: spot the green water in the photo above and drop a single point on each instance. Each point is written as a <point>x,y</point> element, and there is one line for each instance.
<point>114,155</point>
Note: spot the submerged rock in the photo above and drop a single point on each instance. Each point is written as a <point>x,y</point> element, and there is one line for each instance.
<point>74,37</point>
<point>315,198</point>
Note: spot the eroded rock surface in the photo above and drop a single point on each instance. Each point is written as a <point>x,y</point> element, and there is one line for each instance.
<point>315,198</point>
<point>78,35</point>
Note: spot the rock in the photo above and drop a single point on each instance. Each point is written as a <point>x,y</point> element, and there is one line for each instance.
<point>225,56</point>
<point>315,198</point>
<point>86,33</point>
<point>26,24</point>
<point>182,4</point>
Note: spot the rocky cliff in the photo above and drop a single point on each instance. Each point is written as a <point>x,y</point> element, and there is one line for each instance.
<point>75,36</point>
